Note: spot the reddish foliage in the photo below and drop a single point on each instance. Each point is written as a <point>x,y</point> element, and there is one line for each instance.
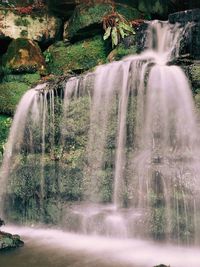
<point>25,10</point>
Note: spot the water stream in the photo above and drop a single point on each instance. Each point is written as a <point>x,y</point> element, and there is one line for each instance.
<point>142,128</point>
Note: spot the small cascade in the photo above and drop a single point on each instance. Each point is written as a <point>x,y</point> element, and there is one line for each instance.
<point>132,168</point>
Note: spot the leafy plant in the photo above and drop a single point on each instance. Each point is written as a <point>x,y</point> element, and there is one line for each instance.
<point>116,27</point>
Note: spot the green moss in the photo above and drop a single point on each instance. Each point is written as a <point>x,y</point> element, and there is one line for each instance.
<point>22,22</point>
<point>10,94</point>
<point>77,58</point>
<point>128,12</point>
<point>121,51</point>
<point>87,17</point>
<point>5,123</point>
<point>29,79</point>
<point>24,33</point>
<point>194,71</point>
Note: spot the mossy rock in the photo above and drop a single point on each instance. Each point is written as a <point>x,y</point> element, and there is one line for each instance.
<point>86,21</point>
<point>129,12</point>
<point>10,95</point>
<point>76,58</point>
<point>24,56</point>
<point>125,48</point>
<point>8,241</point>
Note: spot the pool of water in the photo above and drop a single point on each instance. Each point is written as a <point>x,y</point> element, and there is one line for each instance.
<point>55,248</point>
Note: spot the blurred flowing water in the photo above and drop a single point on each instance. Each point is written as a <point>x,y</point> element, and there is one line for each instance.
<point>141,106</point>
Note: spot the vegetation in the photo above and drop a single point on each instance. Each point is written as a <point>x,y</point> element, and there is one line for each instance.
<point>116,27</point>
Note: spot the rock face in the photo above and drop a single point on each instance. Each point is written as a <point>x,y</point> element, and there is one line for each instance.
<point>185,16</point>
<point>39,27</point>
<point>24,55</point>
<point>8,241</point>
<point>191,41</point>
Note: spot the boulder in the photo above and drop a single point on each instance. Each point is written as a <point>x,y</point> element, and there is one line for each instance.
<point>77,58</point>
<point>24,56</point>
<point>86,20</point>
<point>8,241</point>
<point>40,27</point>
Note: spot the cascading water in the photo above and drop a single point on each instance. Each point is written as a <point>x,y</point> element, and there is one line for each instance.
<point>142,146</point>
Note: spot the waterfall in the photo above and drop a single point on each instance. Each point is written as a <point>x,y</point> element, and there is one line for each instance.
<point>142,146</point>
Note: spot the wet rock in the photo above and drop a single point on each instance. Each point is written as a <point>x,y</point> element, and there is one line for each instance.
<point>185,16</point>
<point>40,27</point>
<point>24,56</point>
<point>191,40</point>
<point>2,222</point>
<point>81,56</point>
<point>8,241</point>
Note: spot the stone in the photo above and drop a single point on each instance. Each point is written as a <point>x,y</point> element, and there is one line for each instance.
<point>77,58</point>
<point>40,27</point>
<point>8,241</point>
<point>185,16</point>
<point>24,56</point>
<point>191,40</point>
<point>86,20</point>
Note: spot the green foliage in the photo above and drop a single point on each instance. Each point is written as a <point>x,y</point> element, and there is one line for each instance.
<point>22,22</point>
<point>48,56</point>
<point>116,27</point>
<point>10,95</point>
<point>5,123</point>
<point>29,79</point>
